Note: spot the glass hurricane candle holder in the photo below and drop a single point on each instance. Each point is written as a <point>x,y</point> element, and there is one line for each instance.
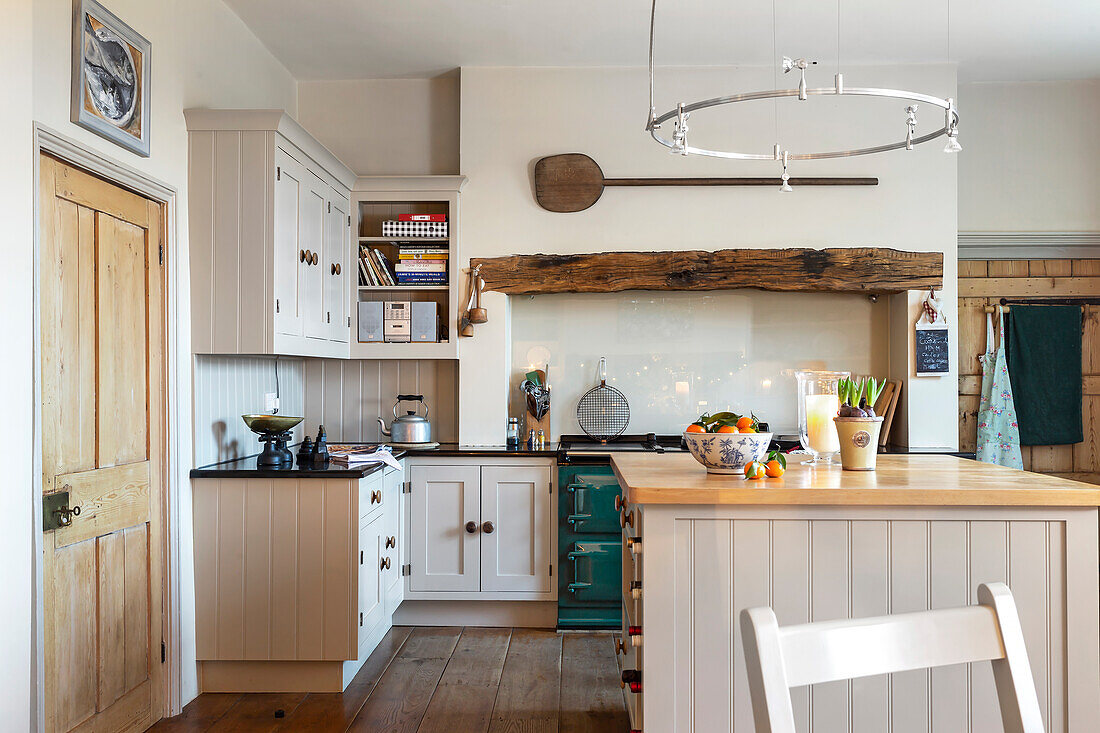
<point>818,404</point>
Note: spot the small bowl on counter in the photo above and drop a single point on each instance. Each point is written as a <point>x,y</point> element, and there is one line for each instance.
<point>727,453</point>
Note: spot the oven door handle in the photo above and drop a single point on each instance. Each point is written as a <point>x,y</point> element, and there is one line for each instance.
<point>574,516</point>
<point>573,555</point>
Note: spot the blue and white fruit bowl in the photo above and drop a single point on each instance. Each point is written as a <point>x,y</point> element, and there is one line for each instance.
<point>727,453</point>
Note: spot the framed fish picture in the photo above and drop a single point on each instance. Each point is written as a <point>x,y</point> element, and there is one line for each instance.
<point>110,77</point>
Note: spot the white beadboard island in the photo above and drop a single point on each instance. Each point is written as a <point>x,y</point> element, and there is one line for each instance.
<point>921,532</point>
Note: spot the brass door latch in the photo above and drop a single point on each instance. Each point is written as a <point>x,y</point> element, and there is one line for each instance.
<point>56,512</point>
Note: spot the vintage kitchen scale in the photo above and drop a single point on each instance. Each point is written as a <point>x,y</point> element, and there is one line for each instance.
<point>274,432</point>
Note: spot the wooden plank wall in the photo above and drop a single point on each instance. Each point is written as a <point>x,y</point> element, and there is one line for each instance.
<point>984,282</point>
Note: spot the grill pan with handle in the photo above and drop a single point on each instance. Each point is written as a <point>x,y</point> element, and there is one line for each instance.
<point>603,412</point>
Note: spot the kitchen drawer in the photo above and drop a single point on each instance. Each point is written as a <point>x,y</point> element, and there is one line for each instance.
<point>371,494</point>
<point>593,567</point>
<point>588,501</point>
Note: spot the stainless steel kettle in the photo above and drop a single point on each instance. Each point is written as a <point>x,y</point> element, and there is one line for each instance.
<point>410,427</point>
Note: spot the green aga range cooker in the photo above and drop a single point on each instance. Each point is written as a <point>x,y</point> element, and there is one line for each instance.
<point>590,539</point>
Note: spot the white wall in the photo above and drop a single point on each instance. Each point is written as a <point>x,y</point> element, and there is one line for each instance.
<point>16,373</point>
<point>1031,158</point>
<point>386,126</point>
<point>202,55</point>
<point>511,117</point>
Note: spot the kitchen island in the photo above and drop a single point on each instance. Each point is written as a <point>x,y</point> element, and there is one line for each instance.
<point>821,543</point>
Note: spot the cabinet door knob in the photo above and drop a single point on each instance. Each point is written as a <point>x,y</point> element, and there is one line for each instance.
<point>620,647</point>
<point>302,255</point>
<point>335,268</point>
<point>385,564</point>
<point>619,503</point>
<point>626,519</point>
<point>376,497</point>
<point>487,528</point>
<point>315,258</point>
<point>471,527</point>
<point>391,542</point>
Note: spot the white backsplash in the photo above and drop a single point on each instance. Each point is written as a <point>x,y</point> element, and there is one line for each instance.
<point>675,355</point>
<point>227,387</point>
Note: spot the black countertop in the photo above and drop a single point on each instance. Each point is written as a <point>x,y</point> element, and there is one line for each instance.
<point>246,467</point>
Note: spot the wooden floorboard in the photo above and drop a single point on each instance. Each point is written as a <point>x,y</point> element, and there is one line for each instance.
<point>336,711</point>
<point>444,680</point>
<point>199,714</point>
<point>401,696</point>
<point>591,699</point>
<point>257,713</point>
<point>463,700</point>
<point>530,686</point>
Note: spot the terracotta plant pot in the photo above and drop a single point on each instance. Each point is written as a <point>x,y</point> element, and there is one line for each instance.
<point>858,442</point>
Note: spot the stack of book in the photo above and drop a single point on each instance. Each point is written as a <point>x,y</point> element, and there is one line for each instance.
<point>421,264</point>
<point>374,268</point>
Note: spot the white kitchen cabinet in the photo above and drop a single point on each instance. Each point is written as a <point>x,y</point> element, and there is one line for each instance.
<point>515,528</point>
<point>393,540</point>
<point>444,540</point>
<point>485,532</point>
<point>372,606</point>
<point>270,230</point>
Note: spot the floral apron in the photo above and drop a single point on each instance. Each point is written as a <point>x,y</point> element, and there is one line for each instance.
<point>998,431</point>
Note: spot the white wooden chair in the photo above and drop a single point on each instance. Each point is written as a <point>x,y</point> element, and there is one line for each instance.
<point>779,658</point>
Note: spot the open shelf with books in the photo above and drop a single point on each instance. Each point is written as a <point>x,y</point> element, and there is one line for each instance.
<point>406,303</point>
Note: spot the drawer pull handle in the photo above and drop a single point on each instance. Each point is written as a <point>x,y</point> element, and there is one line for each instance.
<point>385,564</point>
<point>620,647</point>
<point>315,258</point>
<point>376,497</point>
<point>626,519</point>
<point>619,504</point>
<point>487,528</point>
<point>471,527</point>
<point>302,255</point>
<point>391,542</point>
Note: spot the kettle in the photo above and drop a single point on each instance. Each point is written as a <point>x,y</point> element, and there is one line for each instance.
<point>410,427</point>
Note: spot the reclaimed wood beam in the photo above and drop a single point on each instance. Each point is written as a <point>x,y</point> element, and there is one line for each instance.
<point>838,270</point>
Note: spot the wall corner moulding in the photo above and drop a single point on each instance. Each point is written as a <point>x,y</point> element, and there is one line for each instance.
<point>869,270</point>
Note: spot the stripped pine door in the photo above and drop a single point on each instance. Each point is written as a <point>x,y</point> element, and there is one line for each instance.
<point>103,435</point>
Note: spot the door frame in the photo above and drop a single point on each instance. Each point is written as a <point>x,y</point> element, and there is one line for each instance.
<point>49,141</point>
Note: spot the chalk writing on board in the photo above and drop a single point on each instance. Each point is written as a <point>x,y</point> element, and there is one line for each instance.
<point>933,351</point>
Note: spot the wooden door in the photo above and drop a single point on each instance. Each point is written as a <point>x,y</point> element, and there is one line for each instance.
<point>103,437</point>
<point>335,273</point>
<point>312,237</point>
<point>445,528</point>
<point>289,248</point>
<point>515,528</point>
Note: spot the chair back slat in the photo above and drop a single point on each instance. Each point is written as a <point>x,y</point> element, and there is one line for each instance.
<point>779,658</point>
<point>840,650</point>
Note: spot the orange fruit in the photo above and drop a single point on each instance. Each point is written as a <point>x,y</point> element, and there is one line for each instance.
<point>748,429</point>
<point>774,469</point>
<point>754,470</point>
<point>744,422</point>
<point>695,428</point>
<point>728,429</point>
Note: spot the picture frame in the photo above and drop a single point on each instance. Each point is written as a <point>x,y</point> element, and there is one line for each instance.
<point>110,77</point>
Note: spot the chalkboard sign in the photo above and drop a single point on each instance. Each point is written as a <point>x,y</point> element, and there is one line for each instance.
<point>933,354</point>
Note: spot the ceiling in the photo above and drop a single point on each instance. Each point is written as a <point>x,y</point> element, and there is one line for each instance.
<point>991,40</point>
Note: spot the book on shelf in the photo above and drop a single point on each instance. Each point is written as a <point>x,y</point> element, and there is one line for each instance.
<point>422,217</point>
<point>420,266</point>
<point>386,271</point>
<point>364,278</point>
<point>368,265</point>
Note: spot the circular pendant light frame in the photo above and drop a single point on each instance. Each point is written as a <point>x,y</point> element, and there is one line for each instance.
<point>677,142</point>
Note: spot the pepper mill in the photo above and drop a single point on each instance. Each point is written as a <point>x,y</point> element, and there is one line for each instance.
<point>305,452</point>
<point>320,447</point>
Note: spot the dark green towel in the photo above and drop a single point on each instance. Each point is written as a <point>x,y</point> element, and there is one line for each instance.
<point>1044,365</point>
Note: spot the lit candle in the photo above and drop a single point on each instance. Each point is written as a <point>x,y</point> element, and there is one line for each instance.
<point>820,428</point>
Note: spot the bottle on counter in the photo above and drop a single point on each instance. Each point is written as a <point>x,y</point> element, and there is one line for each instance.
<point>540,440</point>
<point>531,440</point>
<point>513,432</point>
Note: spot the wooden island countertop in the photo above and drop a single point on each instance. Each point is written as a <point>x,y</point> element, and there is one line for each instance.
<point>901,480</point>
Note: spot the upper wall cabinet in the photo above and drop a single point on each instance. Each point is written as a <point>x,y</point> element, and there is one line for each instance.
<point>270,236</point>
